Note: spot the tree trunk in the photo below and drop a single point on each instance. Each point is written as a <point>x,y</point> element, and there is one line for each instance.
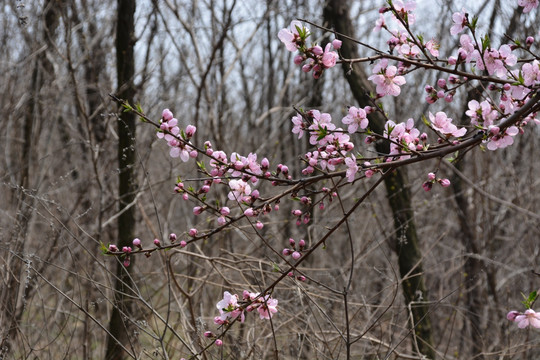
<point>119,325</point>
<point>406,239</point>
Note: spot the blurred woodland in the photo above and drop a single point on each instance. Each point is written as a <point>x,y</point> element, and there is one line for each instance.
<point>78,172</point>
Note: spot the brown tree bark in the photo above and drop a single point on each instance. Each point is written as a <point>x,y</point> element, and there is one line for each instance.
<point>119,325</point>
<point>406,238</point>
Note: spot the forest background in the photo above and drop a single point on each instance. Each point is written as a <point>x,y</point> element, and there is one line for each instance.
<point>77,172</point>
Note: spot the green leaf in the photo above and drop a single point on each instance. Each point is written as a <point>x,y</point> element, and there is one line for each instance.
<point>485,43</point>
<point>104,249</point>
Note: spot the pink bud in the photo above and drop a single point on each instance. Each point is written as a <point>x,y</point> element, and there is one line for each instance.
<point>529,41</point>
<point>205,189</point>
<point>219,342</point>
<point>427,185</point>
<point>193,154</point>
<point>298,59</point>
<point>197,210</point>
<point>440,94</point>
<point>255,194</point>
<point>292,242</point>
<point>221,220</point>
<point>225,211</point>
<point>259,225</point>
<point>512,315</point>
<point>306,68</point>
<point>336,44</point>
<point>431,176</point>
<point>441,83</point>
<point>507,87</point>
<point>126,261</point>
<point>444,182</point>
<point>265,163</point>
<point>208,334</point>
<point>452,60</point>
<point>249,212</point>
<point>297,212</point>
<point>290,274</point>
<point>296,255</point>
<point>286,252</point>
<point>193,232</point>
<point>157,242</point>
<point>494,130</point>
<point>317,50</point>
<point>449,98</point>
<point>190,130</point>
<point>183,244</point>
<point>302,243</point>
<point>172,237</point>
<point>113,248</point>
<point>167,115</point>
<point>137,242</point>
<point>301,278</point>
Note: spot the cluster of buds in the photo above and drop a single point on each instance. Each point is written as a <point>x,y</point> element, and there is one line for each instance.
<point>295,251</point>
<point>432,178</point>
<point>313,58</point>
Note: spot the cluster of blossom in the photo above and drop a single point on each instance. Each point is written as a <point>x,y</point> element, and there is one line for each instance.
<point>316,59</point>
<point>231,307</point>
<point>178,140</point>
<point>523,320</point>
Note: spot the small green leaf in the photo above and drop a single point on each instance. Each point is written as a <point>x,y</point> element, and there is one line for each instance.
<point>104,249</point>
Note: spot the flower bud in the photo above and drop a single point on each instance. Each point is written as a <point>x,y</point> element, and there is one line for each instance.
<point>441,83</point>
<point>137,243</point>
<point>444,182</point>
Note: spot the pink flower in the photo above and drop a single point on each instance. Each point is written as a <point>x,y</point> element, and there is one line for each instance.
<point>528,5</point>
<point>267,308</point>
<point>443,124</point>
<point>239,188</point>
<point>386,79</point>
<point>500,141</point>
<point>228,308</point>
<point>290,37</point>
<point>531,73</point>
<point>329,58</point>
<point>299,126</point>
<point>529,317</point>
<point>352,168</point>
<point>167,115</point>
<point>433,47</point>
<point>404,10</point>
<point>379,24</point>
<point>460,21</point>
<point>356,118</point>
